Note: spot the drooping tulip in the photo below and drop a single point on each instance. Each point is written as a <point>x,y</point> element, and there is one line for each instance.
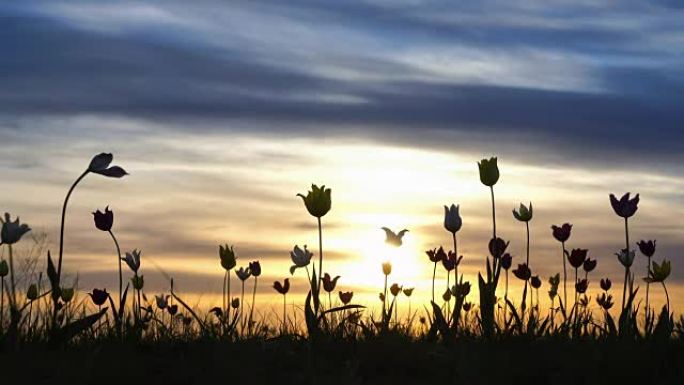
<point>452,219</point>
<point>100,165</point>
<point>104,220</point>
<point>300,258</point>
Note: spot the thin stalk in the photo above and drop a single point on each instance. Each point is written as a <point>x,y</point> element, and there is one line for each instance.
<point>251,308</point>
<point>527,229</point>
<point>13,302</point>
<point>624,287</point>
<point>667,296</point>
<point>491,189</point>
<point>2,303</point>
<point>225,275</point>
<point>384,302</point>
<point>320,257</point>
<point>434,274</point>
<point>648,284</point>
<point>284,314</point>
<point>565,276</point>
<point>242,307</point>
<point>118,252</point>
<point>229,299</point>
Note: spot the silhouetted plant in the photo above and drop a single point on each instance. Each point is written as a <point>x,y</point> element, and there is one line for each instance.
<point>562,234</point>
<point>243,274</point>
<point>228,262</point>
<point>647,248</point>
<point>659,273</point>
<point>255,271</point>
<point>436,256</point>
<point>625,208</point>
<point>452,224</point>
<point>11,233</point>
<point>524,214</point>
<point>283,288</point>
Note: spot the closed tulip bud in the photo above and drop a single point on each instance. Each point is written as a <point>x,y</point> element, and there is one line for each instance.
<point>577,257</point>
<point>300,258</point>
<point>408,291</point>
<point>99,297</point>
<point>561,233</point>
<point>386,268</point>
<point>395,289</point>
<point>535,282</point>
<point>647,248</point>
<point>447,295</point>
<point>132,259</point>
<point>162,301</point>
<point>12,232</point>
<point>346,297</point>
<point>235,303</point>
<point>506,261</point>
<point>172,309</point>
<point>625,207</point>
<point>523,272</point>
<point>589,265</point>
<point>497,247</point>
<point>67,294</point>
<point>554,281</point>
<point>524,214</point>
<point>606,284</point>
<point>138,282</point>
<point>329,283</point>
<point>467,306</point>
<point>4,268</point>
<point>382,297</point>
<point>282,288</point>
<point>659,273</point>
<point>227,256</point>
<point>626,257</point>
<point>32,292</point>
<point>317,201</point>
<point>452,219</point>
<point>255,268</point>
<point>489,171</point>
<point>104,220</point>
<point>100,165</point>
<point>243,273</point>
<point>582,286</point>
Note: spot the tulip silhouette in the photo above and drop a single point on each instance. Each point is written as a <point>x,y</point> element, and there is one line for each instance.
<point>10,234</point>
<point>243,274</point>
<point>625,208</point>
<point>605,284</point>
<point>522,272</point>
<point>255,271</point>
<point>576,259</point>
<point>562,234</point>
<point>581,286</point>
<point>626,258</point>
<point>435,255</point>
<point>329,284</point>
<point>100,164</point>
<point>4,270</point>
<point>659,273</point>
<point>392,238</point>
<point>300,258</point>
<point>99,297</point>
<point>162,301</point>
<point>386,270</point>
<point>535,283</point>
<point>506,263</point>
<point>104,222</point>
<point>228,262</point>
<point>283,289</point>
<point>605,300</point>
<point>524,214</point>
<point>346,297</point>
<point>554,282</point>
<point>647,248</point>
<point>589,265</point>
<point>453,223</point>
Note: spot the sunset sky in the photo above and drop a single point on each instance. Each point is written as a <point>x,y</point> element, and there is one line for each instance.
<point>222,113</point>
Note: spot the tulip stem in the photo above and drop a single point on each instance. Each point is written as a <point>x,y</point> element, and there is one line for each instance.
<point>242,307</point>
<point>251,308</point>
<point>648,284</point>
<point>434,275</point>
<point>320,258</point>
<point>384,302</point>
<point>118,252</point>
<point>229,299</point>
<point>284,313</point>
<point>565,276</point>
<point>2,303</point>
<point>13,302</point>
<point>624,287</point>
<point>491,189</point>
<point>225,278</point>
<point>527,229</point>
<point>667,296</point>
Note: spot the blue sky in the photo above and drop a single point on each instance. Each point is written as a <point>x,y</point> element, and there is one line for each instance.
<point>588,86</point>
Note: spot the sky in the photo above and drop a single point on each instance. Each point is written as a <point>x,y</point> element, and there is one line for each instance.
<point>223,111</point>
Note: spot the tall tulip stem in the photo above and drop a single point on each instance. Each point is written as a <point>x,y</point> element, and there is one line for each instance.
<point>13,302</point>
<point>565,276</point>
<point>434,275</point>
<point>320,257</point>
<point>491,189</point>
<point>648,284</point>
<point>667,296</point>
<point>61,230</point>
<point>118,252</point>
<point>251,308</point>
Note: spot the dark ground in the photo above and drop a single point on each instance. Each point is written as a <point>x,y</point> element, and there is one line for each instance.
<point>379,361</point>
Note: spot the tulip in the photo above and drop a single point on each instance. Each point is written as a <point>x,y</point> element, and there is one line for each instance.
<point>577,257</point>
<point>104,220</point>
<point>659,273</point>
<point>395,289</point>
<point>626,258</point>
<point>605,284</point>
<point>228,262</point>
<point>467,306</point>
<point>461,290</point>
<point>524,214</point>
<point>318,203</point>
<point>625,208</point>
<point>162,301</point>
<point>489,171</point>
<point>99,297</point>
<point>283,289</point>
<point>346,297</point>
<point>535,282</point>
<point>497,247</point>
<point>589,265</point>
<point>329,283</point>
<point>10,234</point>
<point>32,292</point>
<point>447,295</point>
<point>605,300</point>
<point>67,294</point>
<point>172,309</point>
<point>581,286</point>
<point>243,274</point>
<point>300,258</point>
<point>562,234</point>
<point>235,303</point>
<point>255,268</point>
<point>408,291</point>
<point>506,262</point>
<point>452,219</point>
<point>647,248</point>
<point>522,272</point>
<point>138,282</point>
<point>255,271</point>
<point>435,255</point>
<point>392,238</point>
<point>554,282</point>
<point>386,270</point>
<point>132,259</point>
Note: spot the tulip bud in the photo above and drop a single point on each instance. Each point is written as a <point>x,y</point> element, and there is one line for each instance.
<point>535,282</point>
<point>317,201</point>
<point>625,207</point>
<point>235,303</point>
<point>346,297</point>
<point>162,301</point>
<point>605,284</point>
<point>489,171</point>
<point>138,282</point>
<point>4,268</point>
<point>561,233</point>
<point>647,248</point>
<point>523,214</point>
<point>255,268</point>
<point>227,256</point>
<point>506,261</point>
<point>104,220</point>
<point>32,292</point>
<point>98,296</point>
<point>172,309</point>
<point>452,219</point>
<point>386,268</point>
<point>395,289</point>
<point>447,295</point>
<point>67,294</point>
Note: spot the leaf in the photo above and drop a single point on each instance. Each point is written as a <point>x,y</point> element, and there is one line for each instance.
<point>122,305</point>
<point>72,329</point>
<point>52,276</point>
<point>113,172</point>
<point>341,308</point>
<point>310,316</point>
<point>440,321</point>
<point>518,321</point>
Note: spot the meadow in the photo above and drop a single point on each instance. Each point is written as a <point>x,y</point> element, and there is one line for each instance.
<point>52,330</point>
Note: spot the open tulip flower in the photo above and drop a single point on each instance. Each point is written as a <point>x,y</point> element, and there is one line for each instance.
<point>227,256</point>
<point>408,291</point>
<point>436,255</point>
<point>104,220</point>
<point>243,273</point>
<point>317,200</point>
<point>605,301</point>
<point>489,171</point>
<point>524,214</point>
<point>132,259</point>
<point>562,233</point>
<point>452,219</point>
<point>98,296</point>
<point>577,257</point>
<point>497,247</point>
<point>589,265</point>
<point>605,284</point>
<point>625,207</point>
<point>647,248</point>
<point>346,297</point>
<point>12,231</point>
<point>162,301</point>
<point>329,283</point>
<point>300,258</point>
<point>172,309</point>
<point>395,289</point>
<point>392,238</point>
<point>659,272</point>
<point>282,288</point>
<point>522,272</point>
<point>581,286</point>
<point>626,257</point>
